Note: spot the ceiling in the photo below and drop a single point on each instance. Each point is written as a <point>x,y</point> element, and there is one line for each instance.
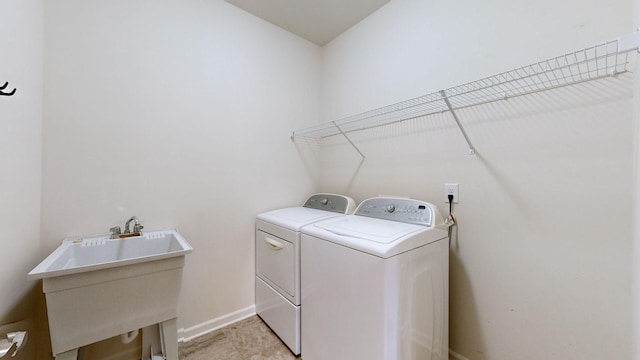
<point>318,21</point>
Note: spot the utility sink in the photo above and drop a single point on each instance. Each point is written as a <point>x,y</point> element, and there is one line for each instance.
<point>97,287</point>
<point>90,253</point>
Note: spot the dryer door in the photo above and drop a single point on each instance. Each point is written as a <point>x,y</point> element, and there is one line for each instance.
<point>275,263</point>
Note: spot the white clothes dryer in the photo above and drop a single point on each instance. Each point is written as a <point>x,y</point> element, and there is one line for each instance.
<point>375,284</point>
<point>277,285</point>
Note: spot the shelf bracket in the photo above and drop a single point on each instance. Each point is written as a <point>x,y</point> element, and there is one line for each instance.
<point>630,41</point>
<point>472,150</point>
<point>349,140</point>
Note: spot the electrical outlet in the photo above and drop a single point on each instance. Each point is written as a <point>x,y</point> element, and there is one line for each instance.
<point>451,189</point>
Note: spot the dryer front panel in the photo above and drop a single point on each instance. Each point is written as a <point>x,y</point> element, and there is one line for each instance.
<point>276,264</point>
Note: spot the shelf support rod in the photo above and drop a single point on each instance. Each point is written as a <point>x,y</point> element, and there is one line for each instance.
<point>349,140</point>
<point>472,150</point>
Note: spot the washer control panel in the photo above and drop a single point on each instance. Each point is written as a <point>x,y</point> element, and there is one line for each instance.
<point>397,209</point>
<point>330,202</point>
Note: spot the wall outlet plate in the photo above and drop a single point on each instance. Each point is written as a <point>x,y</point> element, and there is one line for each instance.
<point>451,189</point>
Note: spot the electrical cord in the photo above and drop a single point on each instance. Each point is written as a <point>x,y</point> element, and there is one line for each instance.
<point>452,219</point>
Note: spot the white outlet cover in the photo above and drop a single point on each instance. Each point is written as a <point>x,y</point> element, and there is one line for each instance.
<point>451,189</point>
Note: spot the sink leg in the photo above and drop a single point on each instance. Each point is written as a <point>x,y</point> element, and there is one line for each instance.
<point>151,342</point>
<point>169,337</point>
<point>67,355</point>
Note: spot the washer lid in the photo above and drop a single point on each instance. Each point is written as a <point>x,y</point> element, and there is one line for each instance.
<point>369,229</point>
<point>294,218</point>
<point>382,238</point>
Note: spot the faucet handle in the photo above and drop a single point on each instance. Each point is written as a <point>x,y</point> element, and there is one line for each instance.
<point>137,228</point>
<point>115,231</point>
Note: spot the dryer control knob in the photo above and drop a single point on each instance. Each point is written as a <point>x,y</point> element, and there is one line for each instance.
<point>391,208</point>
<point>325,201</point>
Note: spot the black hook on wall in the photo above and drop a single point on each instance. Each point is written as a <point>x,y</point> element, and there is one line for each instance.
<point>4,93</point>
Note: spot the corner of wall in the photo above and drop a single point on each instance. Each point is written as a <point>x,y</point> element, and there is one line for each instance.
<point>20,159</point>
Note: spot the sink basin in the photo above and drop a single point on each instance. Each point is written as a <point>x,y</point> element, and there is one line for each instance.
<point>97,287</point>
<point>82,254</point>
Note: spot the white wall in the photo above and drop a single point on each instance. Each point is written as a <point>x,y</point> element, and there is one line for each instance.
<point>20,160</point>
<point>636,237</point>
<point>177,112</point>
<point>541,264</point>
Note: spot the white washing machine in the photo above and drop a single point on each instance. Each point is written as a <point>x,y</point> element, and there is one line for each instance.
<point>278,261</point>
<point>375,284</point>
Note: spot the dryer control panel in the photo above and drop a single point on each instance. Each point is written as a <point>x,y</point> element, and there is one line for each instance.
<point>397,209</point>
<point>330,202</point>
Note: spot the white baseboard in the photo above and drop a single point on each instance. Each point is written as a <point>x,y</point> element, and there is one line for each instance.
<point>455,356</point>
<point>192,332</point>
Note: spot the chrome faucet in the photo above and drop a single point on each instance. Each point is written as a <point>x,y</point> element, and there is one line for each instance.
<point>136,226</point>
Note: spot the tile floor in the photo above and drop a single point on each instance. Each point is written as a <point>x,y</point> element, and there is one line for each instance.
<point>249,339</point>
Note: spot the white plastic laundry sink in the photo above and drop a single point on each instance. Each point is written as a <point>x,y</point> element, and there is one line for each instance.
<point>97,287</point>
<point>81,254</point>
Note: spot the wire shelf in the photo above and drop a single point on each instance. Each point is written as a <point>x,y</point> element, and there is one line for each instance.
<point>588,64</point>
<point>595,62</point>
